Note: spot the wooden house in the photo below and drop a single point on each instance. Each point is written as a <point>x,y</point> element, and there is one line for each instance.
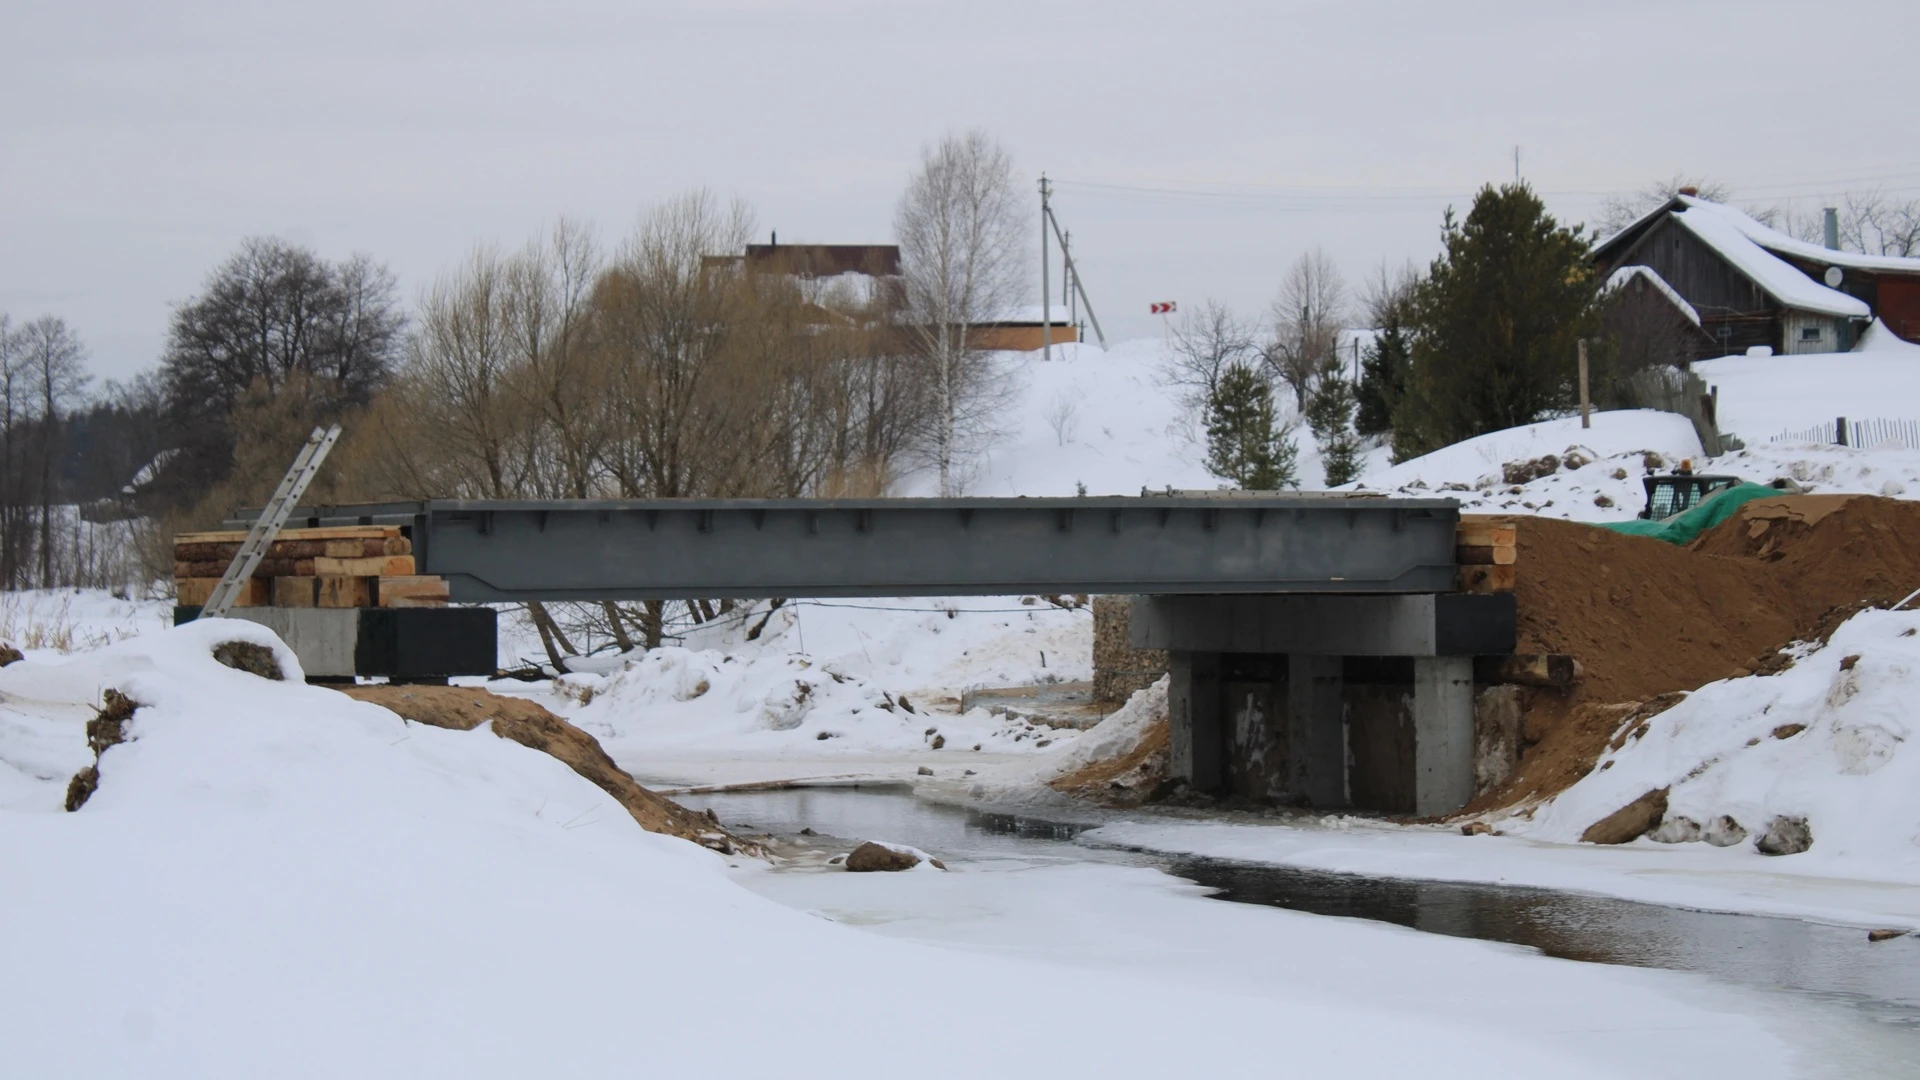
<point>1750,285</point>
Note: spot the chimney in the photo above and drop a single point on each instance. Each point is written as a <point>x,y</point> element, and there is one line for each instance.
<point>1830,218</point>
<point>1690,191</point>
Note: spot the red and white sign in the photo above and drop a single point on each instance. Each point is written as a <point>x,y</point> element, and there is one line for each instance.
<point>1165,307</point>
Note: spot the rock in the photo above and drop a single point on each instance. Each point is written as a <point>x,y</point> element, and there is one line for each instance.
<point>1788,731</point>
<point>936,864</point>
<point>1678,829</point>
<point>1619,474</point>
<point>1630,821</point>
<point>870,857</point>
<point>824,736</point>
<point>939,741</point>
<point>249,657</point>
<point>905,704</point>
<point>1785,836</point>
<point>1847,662</point>
<point>9,654</point>
<point>924,771</point>
<point>1603,500</point>
<point>836,860</point>
<point>808,832</point>
<point>1475,828</point>
<point>1523,472</point>
<point>1723,831</point>
<point>1575,459</point>
<point>1884,935</point>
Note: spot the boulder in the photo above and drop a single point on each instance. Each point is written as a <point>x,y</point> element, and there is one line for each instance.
<point>1723,831</point>
<point>1678,829</point>
<point>1629,822</point>
<point>870,857</point>
<point>9,654</point>
<point>1785,836</point>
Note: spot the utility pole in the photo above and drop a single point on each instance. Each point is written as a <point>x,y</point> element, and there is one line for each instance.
<point>1586,419</point>
<point>1066,279</point>
<point>1046,301</point>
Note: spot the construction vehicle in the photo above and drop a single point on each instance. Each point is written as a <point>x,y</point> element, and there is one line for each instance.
<point>1680,491</point>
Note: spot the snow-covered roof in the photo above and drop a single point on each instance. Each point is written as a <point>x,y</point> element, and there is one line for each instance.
<point>1776,241</point>
<point>1628,273</point>
<point>1781,280</point>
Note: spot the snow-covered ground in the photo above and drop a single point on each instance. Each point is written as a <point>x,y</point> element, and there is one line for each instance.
<point>1763,396</point>
<point>273,879</point>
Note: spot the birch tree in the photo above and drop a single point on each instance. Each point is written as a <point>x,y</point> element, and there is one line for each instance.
<point>963,262</point>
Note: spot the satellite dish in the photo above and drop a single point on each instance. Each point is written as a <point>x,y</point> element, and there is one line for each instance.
<point>1833,277</point>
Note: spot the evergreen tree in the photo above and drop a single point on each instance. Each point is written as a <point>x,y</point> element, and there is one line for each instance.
<point>1495,323</point>
<point>1330,415</point>
<point>1245,445</point>
<point>1384,364</point>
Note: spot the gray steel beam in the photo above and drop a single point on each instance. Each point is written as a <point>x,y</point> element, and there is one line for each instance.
<point>1440,624</point>
<point>496,550</point>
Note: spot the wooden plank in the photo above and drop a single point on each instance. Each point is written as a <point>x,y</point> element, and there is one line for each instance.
<point>337,532</point>
<point>1487,579</point>
<point>415,591</point>
<point>301,592</point>
<point>195,591</point>
<point>355,548</point>
<point>268,568</point>
<point>375,566</point>
<point>1483,531</point>
<point>339,591</point>
<point>1485,556</point>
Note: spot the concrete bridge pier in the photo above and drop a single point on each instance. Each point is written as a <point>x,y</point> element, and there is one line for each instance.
<point>1326,701</point>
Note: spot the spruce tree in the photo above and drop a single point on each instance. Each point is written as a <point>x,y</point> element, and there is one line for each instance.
<point>1330,414</point>
<point>1246,447</point>
<point>1495,323</point>
<point>1384,364</point>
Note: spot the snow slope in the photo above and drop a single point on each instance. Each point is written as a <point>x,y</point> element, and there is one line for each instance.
<point>1763,396</point>
<point>274,880</point>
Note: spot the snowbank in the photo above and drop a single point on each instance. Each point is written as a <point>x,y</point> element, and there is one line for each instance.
<point>1823,741</point>
<point>1763,396</point>
<point>273,879</point>
<point>1480,458</point>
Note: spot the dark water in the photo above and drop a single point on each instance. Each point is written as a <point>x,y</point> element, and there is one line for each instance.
<point>1882,980</point>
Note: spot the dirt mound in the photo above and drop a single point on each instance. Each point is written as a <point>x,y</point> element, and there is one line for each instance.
<point>1647,619</point>
<point>465,708</point>
<point>1126,780</point>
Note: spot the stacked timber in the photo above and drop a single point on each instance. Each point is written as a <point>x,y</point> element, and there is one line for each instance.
<point>344,567</point>
<point>1487,551</point>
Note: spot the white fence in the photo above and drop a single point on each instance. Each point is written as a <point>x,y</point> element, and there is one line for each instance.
<point>1868,433</point>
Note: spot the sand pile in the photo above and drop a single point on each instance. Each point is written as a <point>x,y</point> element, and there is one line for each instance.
<point>1647,619</point>
<point>465,708</point>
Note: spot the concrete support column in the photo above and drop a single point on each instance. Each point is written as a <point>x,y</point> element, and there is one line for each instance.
<point>1197,733</point>
<point>1316,731</point>
<point>1442,733</point>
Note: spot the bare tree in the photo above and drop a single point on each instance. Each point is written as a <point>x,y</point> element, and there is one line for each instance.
<point>962,233</point>
<point>1620,211</point>
<point>1206,343</point>
<point>54,361</point>
<point>1307,318</point>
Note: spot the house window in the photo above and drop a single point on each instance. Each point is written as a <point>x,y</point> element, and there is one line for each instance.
<point>1809,333</point>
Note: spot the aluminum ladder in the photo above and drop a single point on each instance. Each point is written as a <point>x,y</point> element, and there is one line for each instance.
<point>272,518</point>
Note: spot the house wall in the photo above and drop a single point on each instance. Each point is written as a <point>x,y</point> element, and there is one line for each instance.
<point>1697,272</point>
<point>1899,305</point>
<point>1020,337</point>
<point>1806,332</point>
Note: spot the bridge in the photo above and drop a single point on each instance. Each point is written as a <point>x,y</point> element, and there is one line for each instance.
<point>1298,626</point>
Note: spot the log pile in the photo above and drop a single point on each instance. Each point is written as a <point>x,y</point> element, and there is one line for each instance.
<point>1487,549</point>
<point>344,567</point>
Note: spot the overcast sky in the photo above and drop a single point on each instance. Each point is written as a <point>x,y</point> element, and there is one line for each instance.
<point>140,142</point>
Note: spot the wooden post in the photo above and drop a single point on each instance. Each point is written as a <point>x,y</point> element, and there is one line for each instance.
<point>1586,420</point>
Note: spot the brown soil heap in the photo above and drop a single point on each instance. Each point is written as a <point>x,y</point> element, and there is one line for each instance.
<point>465,708</point>
<point>1647,618</point>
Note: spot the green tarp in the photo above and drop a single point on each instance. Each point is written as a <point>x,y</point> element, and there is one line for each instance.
<point>1682,528</point>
